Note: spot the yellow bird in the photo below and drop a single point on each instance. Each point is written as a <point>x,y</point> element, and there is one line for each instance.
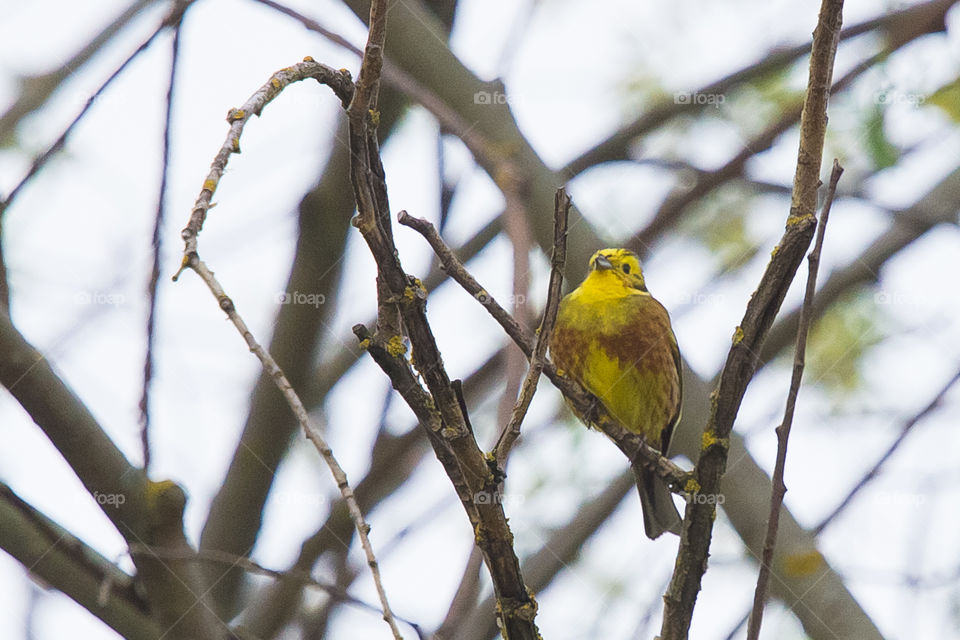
<point>615,339</point>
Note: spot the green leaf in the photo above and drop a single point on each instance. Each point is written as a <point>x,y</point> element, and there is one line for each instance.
<point>838,341</point>
<point>947,98</point>
<point>721,225</point>
<point>883,152</point>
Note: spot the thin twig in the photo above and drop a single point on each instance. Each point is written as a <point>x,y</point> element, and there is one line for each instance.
<point>875,469</point>
<point>681,197</point>
<point>511,431</point>
<point>251,566</point>
<point>310,431</point>
<point>783,431</point>
<point>465,129</point>
<point>313,25</point>
<point>40,161</point>
<point>339,81</point>
<point>456,270</point>
<point>36,90</point>
<point>157,244</point>
<point>392,460</point>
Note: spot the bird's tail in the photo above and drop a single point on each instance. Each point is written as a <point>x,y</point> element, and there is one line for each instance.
<point>659,512</point>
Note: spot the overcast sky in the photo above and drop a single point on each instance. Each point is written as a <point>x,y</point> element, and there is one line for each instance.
<point>77,238</point>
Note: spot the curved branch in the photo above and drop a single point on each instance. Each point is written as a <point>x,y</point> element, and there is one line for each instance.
<point>342,86</point>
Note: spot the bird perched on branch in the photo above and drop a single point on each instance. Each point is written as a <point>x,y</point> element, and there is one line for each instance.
<point>615,339</point>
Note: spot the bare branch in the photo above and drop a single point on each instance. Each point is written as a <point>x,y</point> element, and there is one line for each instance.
<point>456,270</point>
<point>36,90</point>
<point>250,566</point>
<point>918,19</point>
<point>57,558</point>
<point>156,244</point>
<point>339,81</point>
<point>303,418</point>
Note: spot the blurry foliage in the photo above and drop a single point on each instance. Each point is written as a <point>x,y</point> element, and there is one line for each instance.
<point>839,340</point>
<point>757,104</point>
<point>947,98</point>
<point>782,88</point>
<point>720,224</point>
<point>882,152</point>
<point>638,91</point>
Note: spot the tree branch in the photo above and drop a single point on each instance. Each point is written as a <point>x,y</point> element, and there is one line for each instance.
<point>39,88</point>
<point>156,244</point>
<point>339,81</point>
<point>142,511</point>
<point>54,556</point>
<point>761,310</point>
<point>906,24</point>
<point>875,469</point>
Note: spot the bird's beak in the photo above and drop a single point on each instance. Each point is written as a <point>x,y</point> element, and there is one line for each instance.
<point>601,263</point>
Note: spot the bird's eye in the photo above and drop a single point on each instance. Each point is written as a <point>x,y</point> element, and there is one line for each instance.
<point>626,268</point>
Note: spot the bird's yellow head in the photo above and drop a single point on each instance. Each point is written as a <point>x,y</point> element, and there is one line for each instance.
<point>620,265</point>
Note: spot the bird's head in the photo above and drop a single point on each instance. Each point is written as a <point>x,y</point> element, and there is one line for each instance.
<point>622,264</point>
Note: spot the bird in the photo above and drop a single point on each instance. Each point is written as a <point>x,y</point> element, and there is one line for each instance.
<point>616,340</point>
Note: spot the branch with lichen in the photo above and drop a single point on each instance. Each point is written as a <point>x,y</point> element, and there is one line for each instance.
<point>403,298</point>
<point>748,337</point>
